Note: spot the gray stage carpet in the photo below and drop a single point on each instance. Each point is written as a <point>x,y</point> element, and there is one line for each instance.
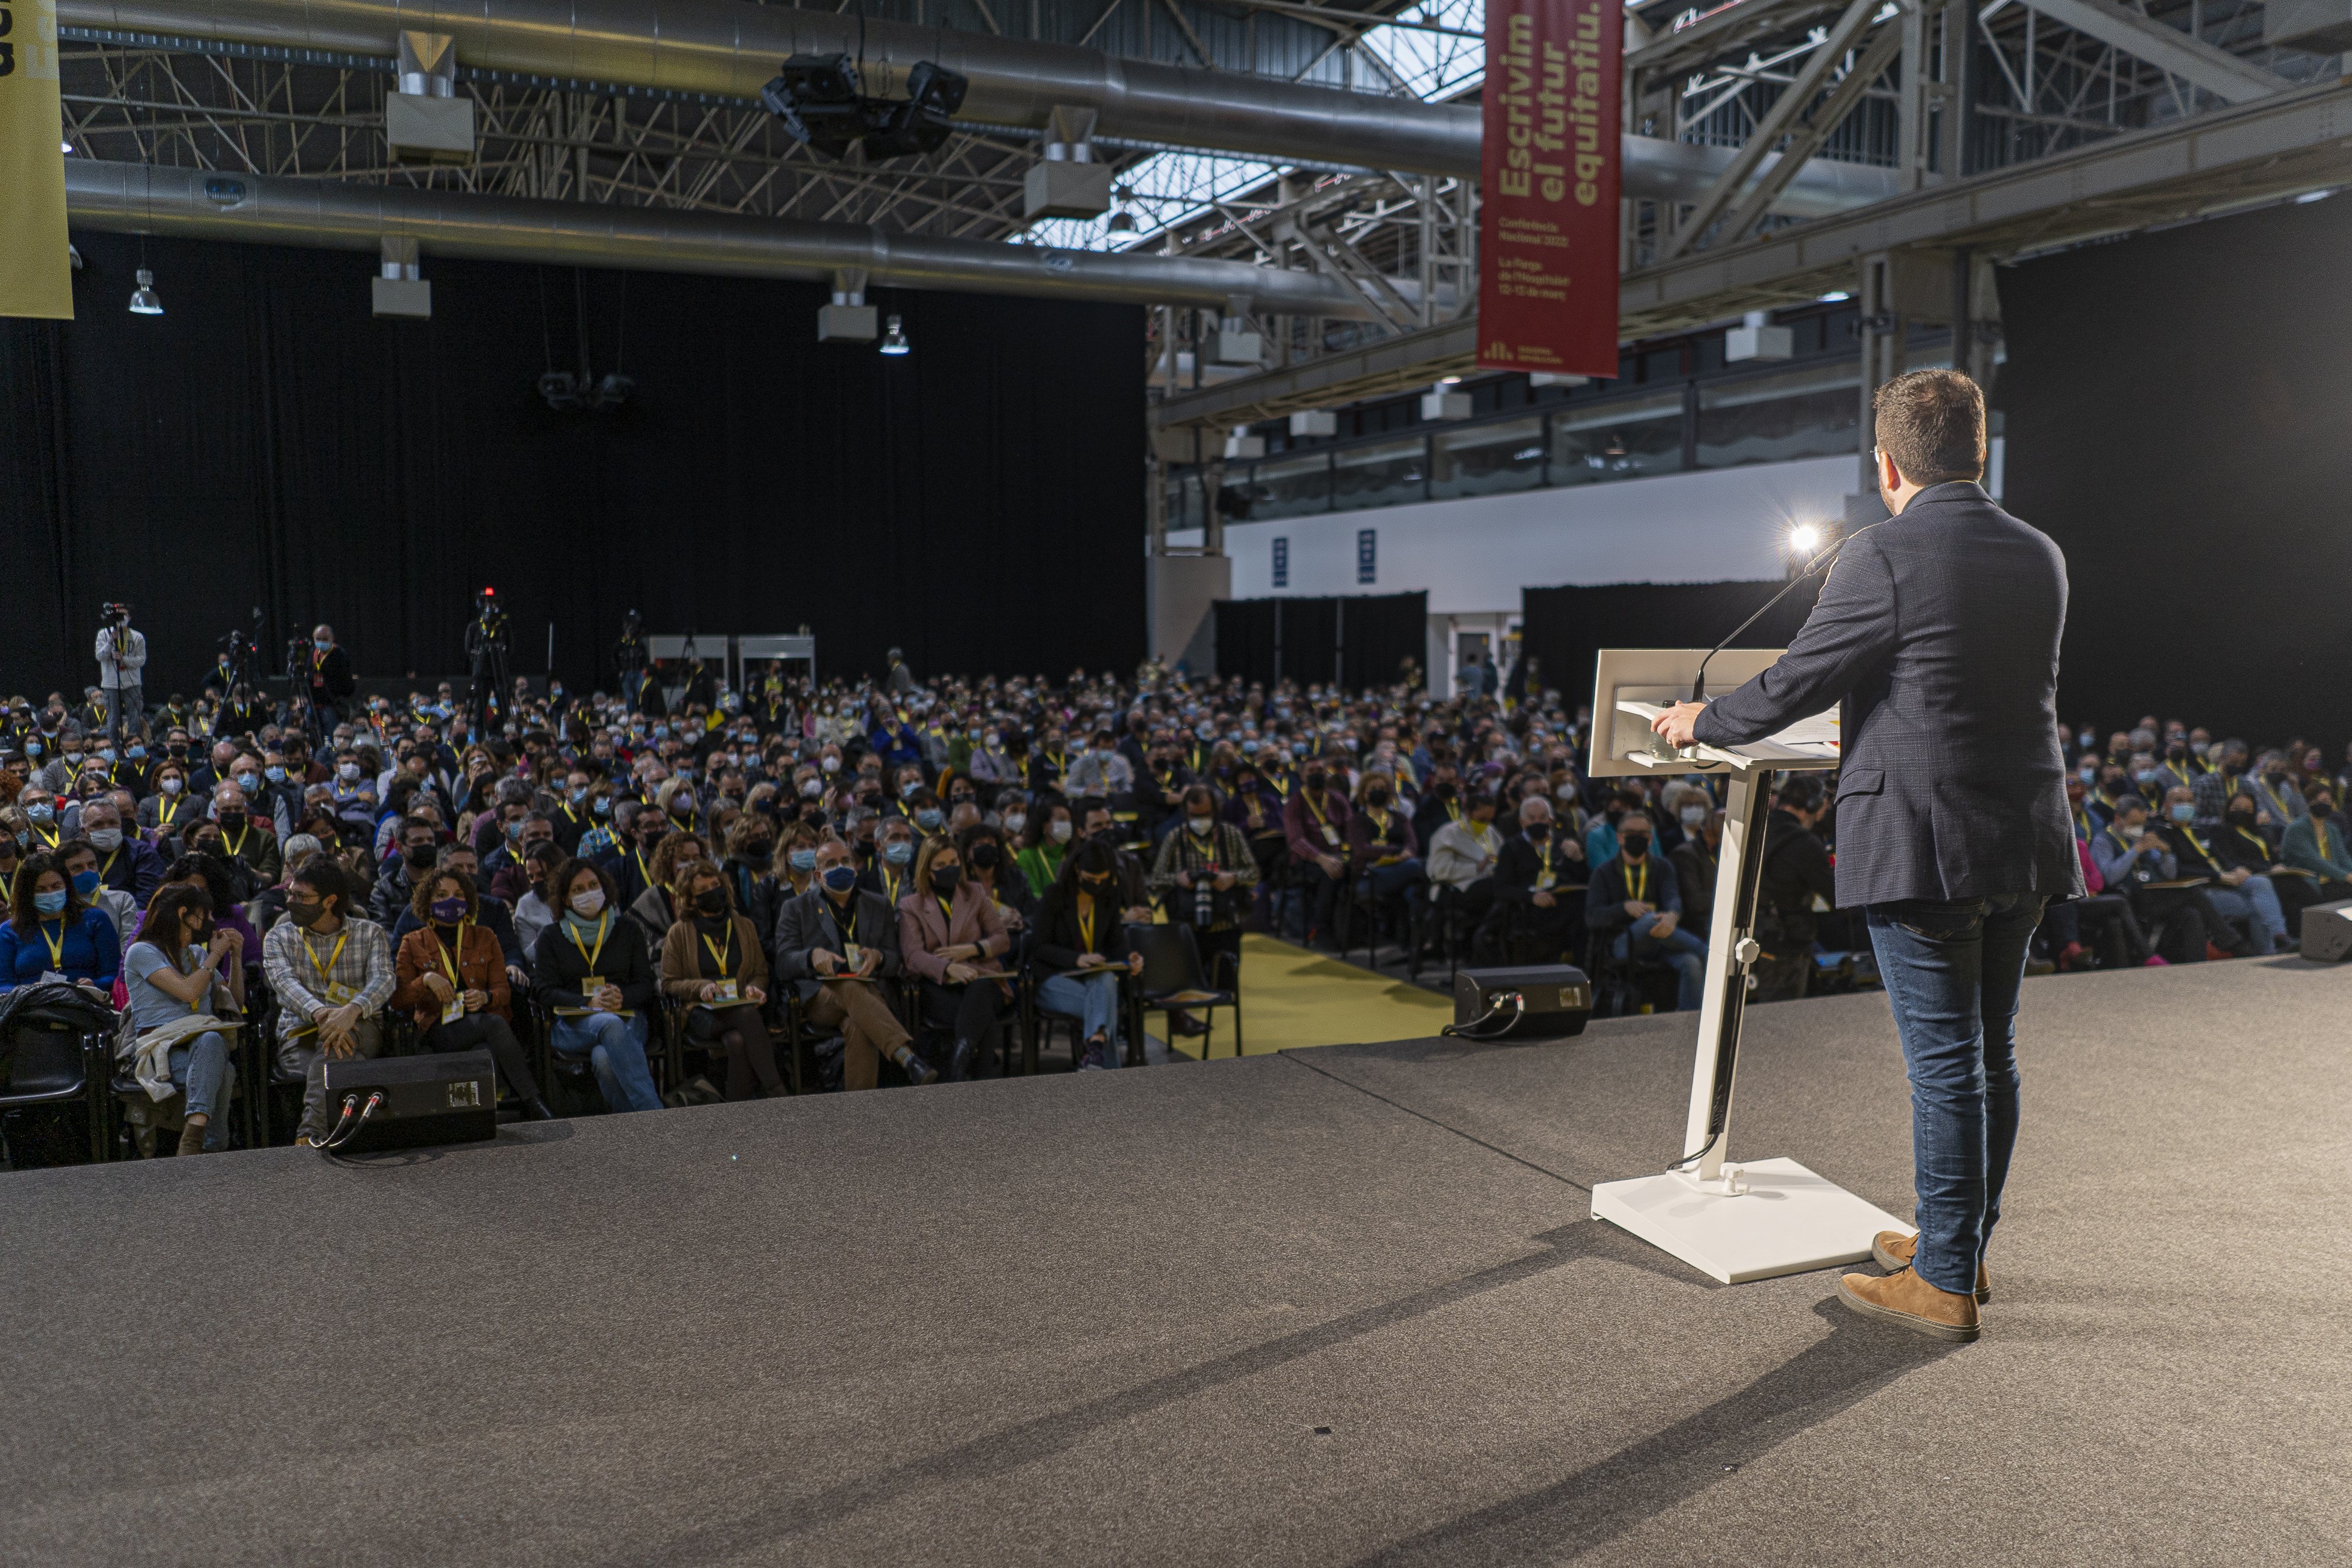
<point>1338,1307</point>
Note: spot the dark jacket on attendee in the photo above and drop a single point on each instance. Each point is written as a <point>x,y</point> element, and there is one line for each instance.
<point>1520,867</point>
<point>811,921</point>
<point>1939,632</point>
<point>1796,872</point>
<point>133,868</point>
<point>1060,938</point>
<point>559,965</point>
<point>1695,868</point>
<point>1653,883</point>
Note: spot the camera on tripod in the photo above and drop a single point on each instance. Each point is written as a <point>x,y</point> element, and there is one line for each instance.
<point>115,615</point>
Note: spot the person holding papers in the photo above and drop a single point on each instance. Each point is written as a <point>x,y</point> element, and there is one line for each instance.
<point>591,970</point>
<point>1940,630</point>
<point>712,960</point>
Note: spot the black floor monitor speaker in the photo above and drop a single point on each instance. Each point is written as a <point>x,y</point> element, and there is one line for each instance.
<point>2327,931</point>
<point>451,1099</point>
<point>1553,1000</point>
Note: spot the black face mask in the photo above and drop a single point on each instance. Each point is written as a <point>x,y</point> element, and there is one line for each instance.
<point>759,849</point>
<point>1538,832</point>
<point>230,819</point>
<point>1377,798</point>
<point>420,858</point>
<point>944,879</point>
<point>2323,809</point>
<point>1316,779</point>
<point>2241,818</point>
<point>1636,845</point>
<point>984,857</point>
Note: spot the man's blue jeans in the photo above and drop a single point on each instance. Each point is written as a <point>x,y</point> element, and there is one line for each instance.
<point>1952,972</point>
<point>1686,953</point>
<point>615,1047</point>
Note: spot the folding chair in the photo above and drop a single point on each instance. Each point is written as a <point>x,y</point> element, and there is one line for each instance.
<point>1174,978</point>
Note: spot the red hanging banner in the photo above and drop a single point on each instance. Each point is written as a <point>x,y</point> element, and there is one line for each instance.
<point>1548,198</point>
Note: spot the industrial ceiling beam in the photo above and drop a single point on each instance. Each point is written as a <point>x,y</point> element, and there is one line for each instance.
<point>137,198</point>
<point>730,49</point>
<point>2189,57</point>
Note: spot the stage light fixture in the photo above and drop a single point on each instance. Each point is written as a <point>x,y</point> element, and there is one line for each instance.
<point>921,123</point>
<point>143,300</point>
<point>817,98</point>
<point>894,341</point>
<point>1804,539</point>
<point>822,101</point>
<point>1122,222</point>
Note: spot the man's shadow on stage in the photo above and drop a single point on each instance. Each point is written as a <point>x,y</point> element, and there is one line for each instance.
<point>1604,1500</point>
<point>1597,1503</point>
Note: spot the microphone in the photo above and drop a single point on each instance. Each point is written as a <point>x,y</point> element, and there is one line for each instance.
<point>1822,561</point>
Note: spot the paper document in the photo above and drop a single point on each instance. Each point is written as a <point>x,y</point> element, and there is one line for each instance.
<point>1809,740</point>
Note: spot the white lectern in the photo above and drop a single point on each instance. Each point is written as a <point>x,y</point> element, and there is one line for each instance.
<point>1757,1218</point>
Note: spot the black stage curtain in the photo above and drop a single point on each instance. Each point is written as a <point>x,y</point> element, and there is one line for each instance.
<point>1564,629</point>
<point>2174,420</point>
<point>268,442</point>
<point>1379,631</point>
<point>1246,638</point>
<point>1357,641</point>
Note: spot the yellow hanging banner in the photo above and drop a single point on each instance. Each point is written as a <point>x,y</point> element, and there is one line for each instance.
<point>35,278</point>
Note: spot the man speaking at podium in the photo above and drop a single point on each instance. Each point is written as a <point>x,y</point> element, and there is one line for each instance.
<point>1937,630</point>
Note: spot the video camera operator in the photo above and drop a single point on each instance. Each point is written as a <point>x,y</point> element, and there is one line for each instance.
<point>121,658</point>
<point>485,648</point>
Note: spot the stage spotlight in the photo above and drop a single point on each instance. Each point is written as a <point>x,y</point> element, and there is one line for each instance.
<point>894,341</point>
<point>920,124</point>
<point>817,98</point>
<point>1804,539</point>
<point>1122,222</point>
<point>143,301</point>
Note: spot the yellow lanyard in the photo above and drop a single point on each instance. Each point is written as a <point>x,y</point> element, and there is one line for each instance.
<point>2179,771</point>
<point>108,863</point>
<point>1086,928</point>
<point>1454,810</point>
<point>2198,845</point>
<point>2082,824</point>
<point>1544,855</point>
<point>326,971</point>
<point>2256,840</point>
<point>643,875</point>
<point>57,945</point>
<point>444,954</point>
<point>2319,832</point>
<point>947,914</point>
<point>1379,823</point>
<point>1638,891</point>
<point>168,810</point>
<point>720,954</point>
<point>47,836</point>
<point>1311,806</point>
<point>237,849</point>
<point>604,929</point>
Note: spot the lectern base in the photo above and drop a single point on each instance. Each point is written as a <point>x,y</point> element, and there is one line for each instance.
<point>1788,1221</point>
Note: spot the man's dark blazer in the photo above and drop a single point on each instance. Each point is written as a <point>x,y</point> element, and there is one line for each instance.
<point>1939,630</point>
<point>808,920</point>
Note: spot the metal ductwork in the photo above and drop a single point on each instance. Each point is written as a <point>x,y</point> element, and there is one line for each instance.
<point>729,48</point>
<point>139,198</point>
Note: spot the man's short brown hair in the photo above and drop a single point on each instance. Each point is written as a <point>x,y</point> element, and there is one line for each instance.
<point>1932,423</point>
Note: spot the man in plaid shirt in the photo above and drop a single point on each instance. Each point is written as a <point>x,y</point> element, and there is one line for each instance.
<point>2227,777</point>
<point>1207,852</point>
<point>332,975</point>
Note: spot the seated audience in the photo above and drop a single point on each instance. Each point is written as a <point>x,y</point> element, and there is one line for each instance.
<point>592,971</point>
<point>331,973</point>
<point>54,931</point>
<point>1797,876</point>
<point>1634,903</point>
<point>950,934</point>
<point>2315,843</point>
<point>184,971</point>
<point>452,978</point>
<point>711,962</point>
<point>837,944</point>
<point>1082,945</point>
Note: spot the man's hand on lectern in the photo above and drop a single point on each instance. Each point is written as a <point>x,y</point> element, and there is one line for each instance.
<point>1675,723</point>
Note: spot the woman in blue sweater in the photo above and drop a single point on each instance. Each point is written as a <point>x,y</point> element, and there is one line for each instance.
<point>51,929</point>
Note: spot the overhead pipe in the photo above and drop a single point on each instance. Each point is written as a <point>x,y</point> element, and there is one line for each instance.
<point>729,48</point>
<point>326,214</point>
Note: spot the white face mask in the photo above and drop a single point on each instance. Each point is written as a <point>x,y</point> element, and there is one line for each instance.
<point>586,903</point>
<point>1059,832</point>
<point>811,787</point>
<point>169,786</point>
<point>1201,825</point>
<point>1693,816</point>
<point>831,764</point>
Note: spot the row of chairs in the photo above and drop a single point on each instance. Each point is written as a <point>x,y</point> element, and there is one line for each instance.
<point>48,1072</point>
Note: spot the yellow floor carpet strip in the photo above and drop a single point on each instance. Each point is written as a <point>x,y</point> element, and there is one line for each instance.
<point>1291,997</point>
